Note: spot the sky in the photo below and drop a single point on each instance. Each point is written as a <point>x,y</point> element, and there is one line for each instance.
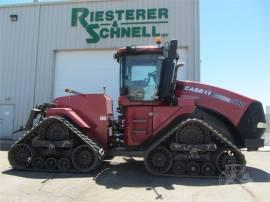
<point>235,45</point>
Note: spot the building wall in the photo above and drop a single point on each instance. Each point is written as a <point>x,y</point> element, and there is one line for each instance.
<point>28,46</point>
<point>18,42</point>
<point>267,132</point>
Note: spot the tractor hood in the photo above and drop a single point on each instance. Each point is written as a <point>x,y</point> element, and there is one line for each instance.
<point>244,113</point>
<point>220,100</point>
<point>204,91</point>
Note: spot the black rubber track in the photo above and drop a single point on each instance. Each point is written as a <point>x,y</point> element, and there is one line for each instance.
<point>26,139</point>
<point>219,138</point>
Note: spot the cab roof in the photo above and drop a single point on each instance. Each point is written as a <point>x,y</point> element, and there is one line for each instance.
<point>133,50</point>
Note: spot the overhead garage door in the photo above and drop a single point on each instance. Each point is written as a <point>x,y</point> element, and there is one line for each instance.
<point>88,71</point>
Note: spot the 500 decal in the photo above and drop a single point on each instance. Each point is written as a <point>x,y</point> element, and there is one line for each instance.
<point>120,23</point>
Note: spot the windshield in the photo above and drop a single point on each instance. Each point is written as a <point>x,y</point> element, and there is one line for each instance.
<point>140,76</point>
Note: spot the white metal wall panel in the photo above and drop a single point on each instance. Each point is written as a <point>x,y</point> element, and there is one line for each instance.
<point>184,70</point>
<point>6,121</point>
<point>18,49</point>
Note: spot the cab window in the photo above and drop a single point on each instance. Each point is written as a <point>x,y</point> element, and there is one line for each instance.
<point>141,76</point>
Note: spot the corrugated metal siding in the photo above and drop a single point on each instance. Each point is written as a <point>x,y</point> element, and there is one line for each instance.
<point>28,46</point>
<point>56,33</point>
<point>18,42</point>
<point>267,132</point>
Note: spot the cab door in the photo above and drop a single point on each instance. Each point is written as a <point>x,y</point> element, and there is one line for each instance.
<point>139,124</point>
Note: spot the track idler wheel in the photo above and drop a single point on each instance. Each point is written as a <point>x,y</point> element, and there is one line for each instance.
<point>193,168</point>
<point>51,163</point>
<point>85,158</point>
<point>64,164</point>
<point>56,132</point>
<point>38,163</point>
<point>179,168</point>
<point>230,163</point>
<point>158,160</point>
<point>208,169</point>
<point>20,156</point>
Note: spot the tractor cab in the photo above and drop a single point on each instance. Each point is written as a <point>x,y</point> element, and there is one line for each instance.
<point>148,73</point>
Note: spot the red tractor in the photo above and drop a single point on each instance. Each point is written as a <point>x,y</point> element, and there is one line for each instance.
<point>180,128</point>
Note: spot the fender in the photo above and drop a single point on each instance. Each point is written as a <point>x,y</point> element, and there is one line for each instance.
<point>68,112</point>
<point>165,115</point>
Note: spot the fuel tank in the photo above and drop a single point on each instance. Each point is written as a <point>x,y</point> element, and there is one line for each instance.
<point>244,114</point>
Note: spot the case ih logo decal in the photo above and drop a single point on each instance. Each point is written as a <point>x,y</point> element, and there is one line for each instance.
<point>198,90</point>
<point>120,23</point>
<point>215,95</point>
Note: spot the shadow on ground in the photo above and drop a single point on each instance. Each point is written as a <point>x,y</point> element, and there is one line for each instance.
<point>132,173</point>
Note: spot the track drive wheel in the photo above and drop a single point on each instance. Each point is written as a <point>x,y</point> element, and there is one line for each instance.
<point>85,158</point>
<point>57,132</point>
<point>192,134</point>
<point>158,160</point>
<point>20,156</point>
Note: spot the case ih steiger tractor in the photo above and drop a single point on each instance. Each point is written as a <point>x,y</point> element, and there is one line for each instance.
<point>180,128</point>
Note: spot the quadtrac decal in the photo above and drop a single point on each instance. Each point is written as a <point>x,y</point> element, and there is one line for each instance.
<point>218,96</point>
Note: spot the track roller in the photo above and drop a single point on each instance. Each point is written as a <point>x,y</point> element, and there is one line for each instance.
<point>51,163</point>
<point>38,163</point>
<point>208,169</point>
<point>193,168</point>
<point>179,168</point>
<point>64,164</point>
